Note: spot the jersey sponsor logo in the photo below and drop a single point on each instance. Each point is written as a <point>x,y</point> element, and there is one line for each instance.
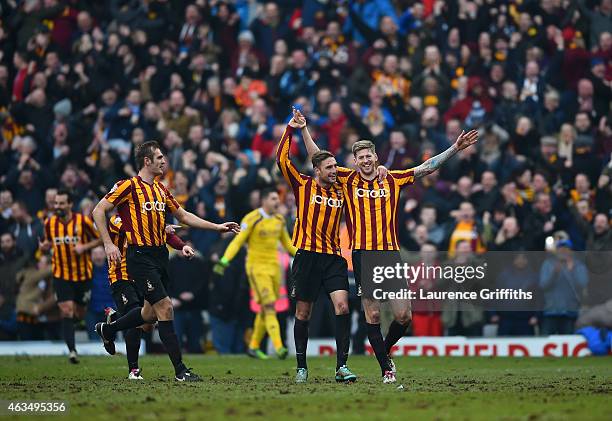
<point>157,206</point>
<point>150,286</point>
<point>124,299</point>
<point>67,240</point>
<point>373,194</point>
<point>326,201</point>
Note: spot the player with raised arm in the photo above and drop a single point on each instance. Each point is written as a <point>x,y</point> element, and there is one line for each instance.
<point>142,203</point>
<point>126,295</point>
<point>261,230</point>
<point>72,235</point>
<point>318,262</point>
<point>371,215</point>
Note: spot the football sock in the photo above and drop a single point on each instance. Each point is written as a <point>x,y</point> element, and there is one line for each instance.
<point>131,319</point>
<point>171,343</point>
<point>259,330</point>
<point>396,331</point>
<point>68,329</point>
<point>378,345</point>
<point>300,334</point>
<point>132,346</point>
<point>273,329</point>
<point>343,333</point>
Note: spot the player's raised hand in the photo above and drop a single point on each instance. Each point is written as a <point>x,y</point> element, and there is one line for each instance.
<point>229,227</point>
<point>299,117</point>
<point>113,255</point>
<point>44,245</point>
<point>187,252</point>
<point>297,121</point>
<point>171,229</point>
<point>79,249</point>
<point>466,139</point>
<point>382,172</point>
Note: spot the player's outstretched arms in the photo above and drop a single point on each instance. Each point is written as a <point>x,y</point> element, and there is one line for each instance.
<point>432,164</point>
<point>194,221</point>
<point>113,255</point>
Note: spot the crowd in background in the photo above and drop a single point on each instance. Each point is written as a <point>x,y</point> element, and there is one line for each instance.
<point>82,83</point>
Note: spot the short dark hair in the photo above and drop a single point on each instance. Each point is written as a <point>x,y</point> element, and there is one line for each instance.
<point>267,192</point>
<point>145,150</point>
<point>320,156</point>
<point>22,205</point>
<point>66,192</point>
<point>10,234</point>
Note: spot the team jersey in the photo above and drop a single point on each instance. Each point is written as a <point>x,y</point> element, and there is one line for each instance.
<point>371,208</point>
<point>65,262</point>
<point>317,224</point>
<point>118,237</point>
<point>142,208</point>
<point>261,232</point>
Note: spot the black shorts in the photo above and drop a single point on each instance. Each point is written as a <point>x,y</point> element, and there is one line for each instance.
<point>365,263</point>
<point>79,292</point>
<point>311,271</point>
<point>126,296</point>
<point>148,267</point>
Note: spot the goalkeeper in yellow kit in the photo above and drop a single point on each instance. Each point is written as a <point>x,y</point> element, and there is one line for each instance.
<point>261,230</point>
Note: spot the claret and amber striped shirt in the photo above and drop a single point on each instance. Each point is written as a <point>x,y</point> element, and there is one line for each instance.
<point>119,238</point>
<point>118,272</point>
<point>65,262</point>
<point>142,208</point>
<point>317,225</point>
<point>371,208</point>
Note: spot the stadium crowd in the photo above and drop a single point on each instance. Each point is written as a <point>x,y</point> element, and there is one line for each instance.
<point>82,83</point>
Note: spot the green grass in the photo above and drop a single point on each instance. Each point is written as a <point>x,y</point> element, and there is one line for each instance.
<point>242,388</point>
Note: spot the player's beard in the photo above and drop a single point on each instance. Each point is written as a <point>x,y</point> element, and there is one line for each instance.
<point>60,213</point>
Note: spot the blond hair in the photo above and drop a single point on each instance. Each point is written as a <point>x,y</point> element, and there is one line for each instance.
<point>363,144</point>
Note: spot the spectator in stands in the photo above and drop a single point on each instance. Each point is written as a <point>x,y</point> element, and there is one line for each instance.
<point>189,295</point>
<point>426,315</point>
<point>461,317</point>
<point>509,238</point>
<point>180,118</point>
<point>228,303</point>
<point>541,222</point>
<point>26,229</point>
<point>12,260</point>
<point>514,319</point>
<point>36,305</point>
<point>6,209</point>
<point>100,294</point>
<point>466,229</point>
<point>563,278</point>
<point>428,217</point>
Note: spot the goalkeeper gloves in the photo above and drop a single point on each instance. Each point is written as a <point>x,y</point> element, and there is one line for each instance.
<point>220,267</point>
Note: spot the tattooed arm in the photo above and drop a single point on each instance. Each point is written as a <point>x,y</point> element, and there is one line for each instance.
<point>432,164</point>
